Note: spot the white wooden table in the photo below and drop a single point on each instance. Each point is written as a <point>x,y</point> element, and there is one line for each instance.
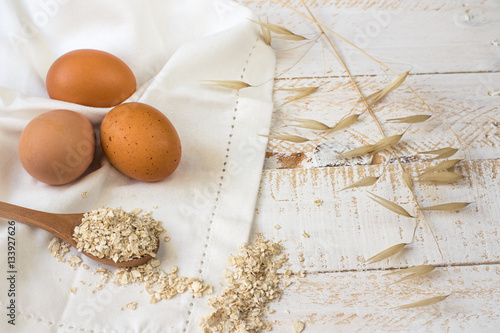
<point>453,51</point>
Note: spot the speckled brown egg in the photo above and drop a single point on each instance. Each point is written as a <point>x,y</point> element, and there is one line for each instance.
<point>90,77</point>
<point>140,141</point>
<point>57,146</point>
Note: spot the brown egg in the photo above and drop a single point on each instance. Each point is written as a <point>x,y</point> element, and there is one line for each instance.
<point>90,77</point>
<point>57,146</point>
<point>140,142</point>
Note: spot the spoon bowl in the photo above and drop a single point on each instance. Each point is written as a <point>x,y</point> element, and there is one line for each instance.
<point>61,226</point>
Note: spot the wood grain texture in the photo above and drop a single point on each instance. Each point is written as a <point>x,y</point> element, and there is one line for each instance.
<point>427,36</point>
<point>361,301</point>
<point>347,227</point>
<point>460,100</point>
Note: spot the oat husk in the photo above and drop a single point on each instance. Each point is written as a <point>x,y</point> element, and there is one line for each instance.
<point>394,207</point>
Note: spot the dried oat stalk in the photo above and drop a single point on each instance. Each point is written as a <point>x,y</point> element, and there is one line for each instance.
<point>302,93</point>
<point>441,153</point>
<point>228,84</point>
<point>410,119</point>
<point>424,302</point>
<point>447,207</point>
<point>389,252</point>
<point>365,181</point>
<point>286,137</point>
<point>394,207</point>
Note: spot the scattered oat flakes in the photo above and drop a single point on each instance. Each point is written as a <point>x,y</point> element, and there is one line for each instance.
<point>277,226</point>
<point>287,283</point>
<point>73,290</point>
<point>253,283</point>
<point>121,308</point>
<point>155,206</point>
<point>301,274</point>
<point>287,274</point>
<point>305,234</point>
<point>271,311</point>
<point>318,202</point>
<point>85,266</point>
<point>298,326</point>
<point>118,235</point>
<point>84,194</point>
<point>74,260</point>
<point>166,239</point>
<point>58,248</point>
<point>132,305</point>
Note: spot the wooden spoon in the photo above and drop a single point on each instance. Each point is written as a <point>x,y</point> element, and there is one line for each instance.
<point>62,226</point>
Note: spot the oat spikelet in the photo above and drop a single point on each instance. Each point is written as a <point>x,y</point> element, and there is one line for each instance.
<point>282,32</point>
<point>389,252</point>
<point>357,151</point>
<point>393,85</point>
<point>407,180</point>
<point>420,269</point>
<point>447,207</point>
<point>410,120</point>
<point>227,84</point>
<point>286,137</point>
<point>346,122</point>
<point>311,124</point>
<point>266,33</point>
<point>445,165</point>
<point>390,205</point>
<point>441,153</point>
<point>413,272</point>
<point>365,181</point>
<point>424,302</point>
<point>303,92</point>
<point>387,142</point>
<point>441,177</point>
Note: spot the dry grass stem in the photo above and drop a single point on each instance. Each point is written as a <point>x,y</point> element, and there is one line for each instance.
<point>410,120</point>
<point>286,137</point>
<point>444,177</point>
<point>303,92</point>
<point>441,153</point>
<point>366,181</point>
<point>445,165</point>
<point>424,302</point>
<point>227,84</point>
<point>389,252</point>
<point>311,124</point>
<point>389,205</point>
<point>447,207</point>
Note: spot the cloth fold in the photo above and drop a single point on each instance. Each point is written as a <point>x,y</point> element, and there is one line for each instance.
<point>206,206</point>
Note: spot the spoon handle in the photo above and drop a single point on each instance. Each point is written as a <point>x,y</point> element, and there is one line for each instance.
<point>60,225</point>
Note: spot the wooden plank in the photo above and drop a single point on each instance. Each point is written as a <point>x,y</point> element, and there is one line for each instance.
<point>346,227</point>
<point>427,36</point>
<point>465,102</point>
<point>362,302</point>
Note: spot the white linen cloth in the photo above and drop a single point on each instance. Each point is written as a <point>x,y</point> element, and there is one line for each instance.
<point>206,206</point>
